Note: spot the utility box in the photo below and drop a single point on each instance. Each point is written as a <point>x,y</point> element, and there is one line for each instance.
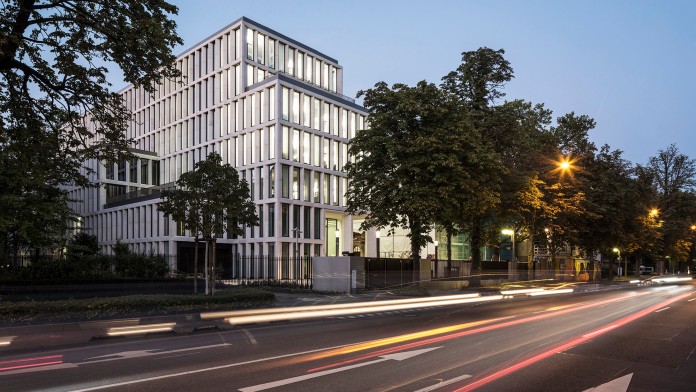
<point>345,274</point>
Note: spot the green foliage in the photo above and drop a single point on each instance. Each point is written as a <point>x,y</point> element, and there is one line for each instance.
<point>87,268</point>
<point>132,305</point>
<point>83,244</point>
<point>51,75</point>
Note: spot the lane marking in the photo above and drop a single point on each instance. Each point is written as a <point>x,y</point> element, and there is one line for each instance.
<point>144,353</point>
<point>658,311</point>
<point>249,336</point>
<point>444,383</point>
<point>617,385</point>
<point>165,376</point>
<point>401,356</point>
<point>40,369</point>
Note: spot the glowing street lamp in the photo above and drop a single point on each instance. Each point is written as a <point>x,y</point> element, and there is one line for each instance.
<point>511,233</point>
<point>617,250</point>
<point>654,212</point>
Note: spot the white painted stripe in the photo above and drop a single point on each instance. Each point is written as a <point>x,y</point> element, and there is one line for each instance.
<point>692,299</point>
<point>659,310</point>
<point>249,336</point>
<point>444,383</point>
<point>165,376</point>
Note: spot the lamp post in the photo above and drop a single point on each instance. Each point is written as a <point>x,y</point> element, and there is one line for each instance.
<point>511,233</point>
<point>618,251</point>
<point>338,237</point>
<point>436,243</point>
<point>512,267</point>
<point>377,240</point>
<point>297,233</point>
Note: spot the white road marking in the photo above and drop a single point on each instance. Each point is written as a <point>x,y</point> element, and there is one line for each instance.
<point>444,383</point>
<point>618,385</point>
<point>400,356</point>
<point>249,336</point>
<point>144,353</point>
<point>141,380</point>
<point>659,310</point>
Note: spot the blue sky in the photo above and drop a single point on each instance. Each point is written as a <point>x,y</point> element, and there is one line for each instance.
<point>628,64</point>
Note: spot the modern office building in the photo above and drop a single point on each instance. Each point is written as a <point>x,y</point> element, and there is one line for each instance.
<point>273,108</point>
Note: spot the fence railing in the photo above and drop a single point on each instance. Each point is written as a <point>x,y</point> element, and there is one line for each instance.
<point>238,269</point>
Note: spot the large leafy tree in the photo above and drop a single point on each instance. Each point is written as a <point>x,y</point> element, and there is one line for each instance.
<point>476,85</point>
<point>674,178</point>
<point>55,101</point>
<point>404,160</point>
<point>210,200</point>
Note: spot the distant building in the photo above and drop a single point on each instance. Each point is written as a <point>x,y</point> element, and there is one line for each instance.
<point>273,108</point>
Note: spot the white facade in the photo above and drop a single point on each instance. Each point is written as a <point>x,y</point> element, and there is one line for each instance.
<point>272,108</point>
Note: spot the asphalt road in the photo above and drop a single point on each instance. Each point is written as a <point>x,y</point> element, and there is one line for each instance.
<point>640,339</point>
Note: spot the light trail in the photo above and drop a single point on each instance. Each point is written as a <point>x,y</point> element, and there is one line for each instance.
<point>354,305</point>
<point>26,363</point>
<point>456,335</point>
<point>356,310</point>
<point>568,345</point>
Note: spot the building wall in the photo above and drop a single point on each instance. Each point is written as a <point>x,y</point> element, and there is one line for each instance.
<point>272,108</point>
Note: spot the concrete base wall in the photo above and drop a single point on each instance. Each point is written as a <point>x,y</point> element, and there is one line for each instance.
<point>338,274</point>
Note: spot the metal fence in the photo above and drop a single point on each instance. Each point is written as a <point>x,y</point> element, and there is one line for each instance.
<point>383,273</point>
<point>238,269</point>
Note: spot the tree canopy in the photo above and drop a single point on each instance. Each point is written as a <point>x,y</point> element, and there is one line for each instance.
<point>57,108</point>
<point>210,200</point>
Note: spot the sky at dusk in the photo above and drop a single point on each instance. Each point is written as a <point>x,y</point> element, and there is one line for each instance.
<point>630,64</point>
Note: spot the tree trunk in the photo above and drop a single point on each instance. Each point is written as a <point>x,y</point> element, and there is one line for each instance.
<point>475,238</point>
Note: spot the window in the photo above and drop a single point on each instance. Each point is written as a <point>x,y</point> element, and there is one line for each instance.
<point>317,225</point>
<point>250,75</point>
<point>327,186</point>
<point>271,222</point>
<point>306,183</point>
<point>271,53</point>
<point>122,170</point>
<point>286,104</point>
<point>315,187</point>
<point>295,145</point>
<point>305,110</point>
<point>271,103</point>
<point>316,154</point>
<point>300,65</point>
<point>261,219</point>
<point>296,107</point>
<point>281,57</point>
<point>286,143</point>
<point>305,148</point>
<point>250,43</point>
<point>326,153</point>
<point>260,47</point>
<point>144,169</point>
<point>296,183</point>
<point>285,219</point>
<point>262,182</point>
<point>133,170</point>
<point>308,70</point>
<point>316,114</point>
<point>271,142</point>
<point>109,166</point>
<point>271,183</point>
<point>285,179</point>
<point>307,223</point>
<point>291,61</point>
<point>334,190</point>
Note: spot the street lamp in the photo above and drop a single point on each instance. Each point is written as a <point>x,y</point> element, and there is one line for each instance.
<point>297,232</point>
<point>338,237</point>
<point>511,233</point>
<point>377,238</point>
<point>617,250</point>
<point>436,243</point>
<point>654,212</point>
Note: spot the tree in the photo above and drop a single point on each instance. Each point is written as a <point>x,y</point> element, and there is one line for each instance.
<point>404,160</point>
<point>476,84</point>
<point>83,244</point>
<point>210,200</point>
<point>55,101</point>
<point>674,176</point>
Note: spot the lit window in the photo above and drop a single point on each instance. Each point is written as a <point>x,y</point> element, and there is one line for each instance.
<point>260,47</point>
<point>296,107</point>
<point>271,53</point>
<point>250,43</point>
